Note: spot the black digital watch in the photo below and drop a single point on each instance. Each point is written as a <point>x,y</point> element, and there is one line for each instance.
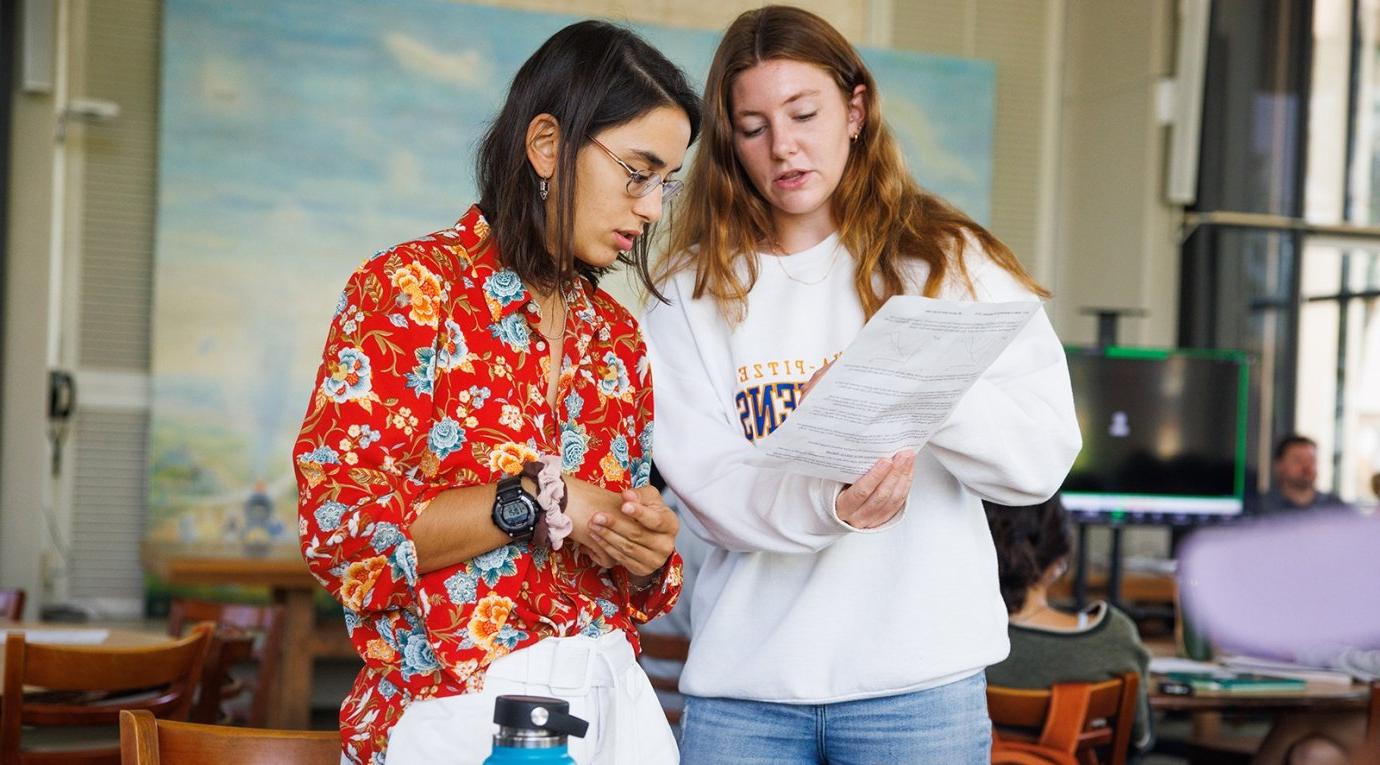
<point>515,510</point>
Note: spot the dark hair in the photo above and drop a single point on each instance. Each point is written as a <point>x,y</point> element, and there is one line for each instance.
<point>1291,440</point>
<point>1029,540</point>
<point>589,76</point>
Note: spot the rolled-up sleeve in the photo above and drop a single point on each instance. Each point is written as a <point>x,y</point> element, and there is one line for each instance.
<point>356,455</point>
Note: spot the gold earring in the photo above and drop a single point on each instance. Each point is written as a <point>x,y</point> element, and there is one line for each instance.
<point>854,138</point>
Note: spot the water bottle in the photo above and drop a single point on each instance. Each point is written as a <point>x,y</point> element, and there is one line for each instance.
<point>532,731</point>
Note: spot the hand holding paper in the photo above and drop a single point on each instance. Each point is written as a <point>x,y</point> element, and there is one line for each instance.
<point>879,495</point>
<point>893,386</point>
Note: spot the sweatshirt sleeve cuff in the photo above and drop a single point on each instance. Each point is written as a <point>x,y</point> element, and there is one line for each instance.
<point>828,493</point>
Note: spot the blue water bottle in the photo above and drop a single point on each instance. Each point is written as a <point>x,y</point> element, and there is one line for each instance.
<point>532,731</point>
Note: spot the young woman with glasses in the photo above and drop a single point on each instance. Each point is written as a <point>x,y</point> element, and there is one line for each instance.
<point>474,460</point>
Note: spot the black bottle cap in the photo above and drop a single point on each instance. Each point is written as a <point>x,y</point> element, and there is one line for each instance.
<point>538,713</point>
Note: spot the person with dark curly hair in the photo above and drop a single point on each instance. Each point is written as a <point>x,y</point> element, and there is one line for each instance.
<point>1050,645</point>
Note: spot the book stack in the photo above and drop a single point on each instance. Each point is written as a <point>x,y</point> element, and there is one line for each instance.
<point>1192,683</point>
<point>1313,676</point>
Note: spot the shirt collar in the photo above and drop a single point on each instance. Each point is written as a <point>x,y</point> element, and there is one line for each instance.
<point>473,230</point>
<point>476,237</point>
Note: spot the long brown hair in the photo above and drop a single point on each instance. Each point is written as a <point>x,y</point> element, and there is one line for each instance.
<point>883,216</point>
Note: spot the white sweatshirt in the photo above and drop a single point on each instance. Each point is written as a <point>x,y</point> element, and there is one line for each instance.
<point>793,605</point>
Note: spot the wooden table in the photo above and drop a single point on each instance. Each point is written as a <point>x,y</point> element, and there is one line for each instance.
<point>283,571</point>
<point>116,636</point>
<point>1207,708</point>
<point>1312,698</point>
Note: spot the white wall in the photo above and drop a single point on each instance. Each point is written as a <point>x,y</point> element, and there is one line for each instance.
<point>1024,38</point>
<point>76,538</point>
<point>1116,239</point>
<point>23,443</point>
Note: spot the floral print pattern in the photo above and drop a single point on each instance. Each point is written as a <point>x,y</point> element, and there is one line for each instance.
<point>433,378</point>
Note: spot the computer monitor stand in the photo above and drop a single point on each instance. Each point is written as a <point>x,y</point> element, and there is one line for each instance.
<point>1106,337</point>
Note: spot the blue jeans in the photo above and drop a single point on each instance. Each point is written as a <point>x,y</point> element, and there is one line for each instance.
<point>947,725</point>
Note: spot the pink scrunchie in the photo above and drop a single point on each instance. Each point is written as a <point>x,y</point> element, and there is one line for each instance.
<point>546,471</point>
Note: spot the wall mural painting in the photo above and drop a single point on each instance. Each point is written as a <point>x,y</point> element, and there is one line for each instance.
<point>297,138</point>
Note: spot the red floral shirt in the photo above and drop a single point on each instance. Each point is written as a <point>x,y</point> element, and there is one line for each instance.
<point>434,377</point>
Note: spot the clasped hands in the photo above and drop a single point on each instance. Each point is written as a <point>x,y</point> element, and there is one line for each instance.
<point>634,529</point>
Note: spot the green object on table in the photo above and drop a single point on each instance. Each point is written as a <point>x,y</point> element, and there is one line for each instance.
<point>1236,683</point>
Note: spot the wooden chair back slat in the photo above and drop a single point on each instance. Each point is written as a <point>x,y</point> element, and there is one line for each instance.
<point>159,678</point>
<point>1068,715</point>
<point>665,684</point>
<point>1065,713</point>
<point>1017,707</point>
<point>1124,716</point>
<point>254,618</point>
<point>145,740</point>
<point>102,711</point>
<point>1016,756</point>
<point>99,668</point>
<point>672,647</point>
<point>228,648</point>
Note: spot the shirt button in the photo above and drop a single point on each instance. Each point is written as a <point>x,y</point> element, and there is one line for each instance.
<point>532,307</point>
<point>541,346</point>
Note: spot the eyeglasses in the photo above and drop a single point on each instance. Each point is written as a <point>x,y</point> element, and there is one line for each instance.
<point>642,182</point>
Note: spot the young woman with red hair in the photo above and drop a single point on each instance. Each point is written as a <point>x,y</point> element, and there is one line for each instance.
<point>834,623</point>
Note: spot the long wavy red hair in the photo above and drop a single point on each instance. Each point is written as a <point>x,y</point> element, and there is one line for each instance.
<point>883,216</point>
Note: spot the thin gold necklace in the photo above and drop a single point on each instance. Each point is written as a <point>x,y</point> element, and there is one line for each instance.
<point>781,258</point>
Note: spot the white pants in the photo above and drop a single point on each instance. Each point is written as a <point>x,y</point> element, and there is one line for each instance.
<point>598,676</point>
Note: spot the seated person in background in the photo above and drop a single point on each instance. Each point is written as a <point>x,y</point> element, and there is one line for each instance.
<point>1049,645</point>
<point>1295,468</point>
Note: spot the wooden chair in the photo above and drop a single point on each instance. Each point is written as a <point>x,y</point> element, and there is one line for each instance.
<point>244,633</point>
<point>70,726</point>
<point>670,648</point>
<point>11,603</point>
<point>1074,720</point>
<point>229,648</point>
<point>146,740</point>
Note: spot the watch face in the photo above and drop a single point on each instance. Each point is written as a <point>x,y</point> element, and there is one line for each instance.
<point>515,514</point>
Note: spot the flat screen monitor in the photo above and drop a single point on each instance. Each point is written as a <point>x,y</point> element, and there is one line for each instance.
<point>1164,435</point>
